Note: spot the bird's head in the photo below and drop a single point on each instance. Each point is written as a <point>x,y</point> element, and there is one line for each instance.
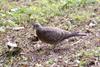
<point>37,26</point>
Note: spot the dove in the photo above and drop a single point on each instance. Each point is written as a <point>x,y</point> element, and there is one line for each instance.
<point>53,35</point>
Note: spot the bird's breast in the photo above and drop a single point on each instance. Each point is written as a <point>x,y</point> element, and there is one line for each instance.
<point>41,36</point>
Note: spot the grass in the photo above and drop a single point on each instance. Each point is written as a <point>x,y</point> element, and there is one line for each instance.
<point>13,13</point>
<point>86,56</point>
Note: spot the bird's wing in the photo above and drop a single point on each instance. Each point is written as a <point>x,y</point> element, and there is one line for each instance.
<point>54,34</point>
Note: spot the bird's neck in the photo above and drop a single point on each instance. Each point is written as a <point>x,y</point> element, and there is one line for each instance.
<point>40,28</point>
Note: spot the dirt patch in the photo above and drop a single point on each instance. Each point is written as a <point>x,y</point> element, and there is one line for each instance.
<point>37,53</point>
<point>34,53</point>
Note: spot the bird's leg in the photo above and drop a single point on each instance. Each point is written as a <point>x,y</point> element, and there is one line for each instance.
<point>53,46</point>
<point>61,44</point>
<point>56,46</point>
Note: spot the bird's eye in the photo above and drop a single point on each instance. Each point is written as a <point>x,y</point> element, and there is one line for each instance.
<point>36,26</point>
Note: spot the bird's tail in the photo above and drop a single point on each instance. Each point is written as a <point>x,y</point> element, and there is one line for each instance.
<point>76,34</point>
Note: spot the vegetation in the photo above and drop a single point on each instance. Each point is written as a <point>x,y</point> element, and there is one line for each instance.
<point>13,13</point>
<point>78,13</point>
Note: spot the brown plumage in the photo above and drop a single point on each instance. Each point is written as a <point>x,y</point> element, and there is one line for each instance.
<point>53,35</point>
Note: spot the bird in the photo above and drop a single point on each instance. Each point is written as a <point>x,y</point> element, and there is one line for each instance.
<point>53,35</point>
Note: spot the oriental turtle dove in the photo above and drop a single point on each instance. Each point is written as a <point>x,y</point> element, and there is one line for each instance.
<point>53,35</point>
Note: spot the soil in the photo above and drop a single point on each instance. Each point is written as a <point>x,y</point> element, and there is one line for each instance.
<point>38,54</point>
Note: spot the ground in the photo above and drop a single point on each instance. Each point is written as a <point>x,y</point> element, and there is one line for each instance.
<point>76,52</point>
